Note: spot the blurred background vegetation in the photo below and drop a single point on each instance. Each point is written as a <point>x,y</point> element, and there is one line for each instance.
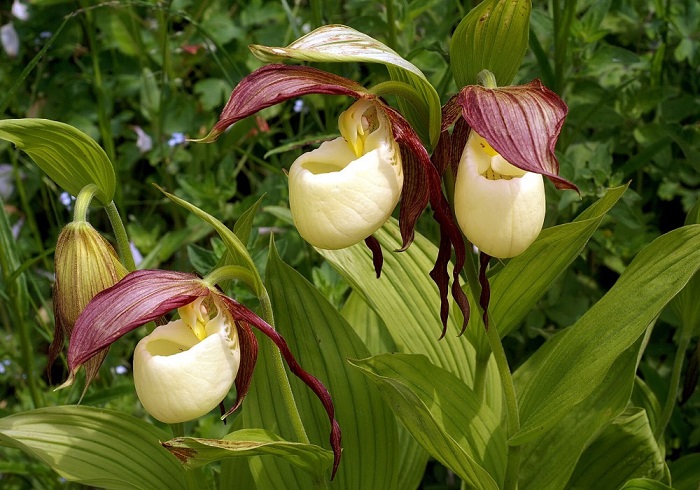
<point>141,76</point>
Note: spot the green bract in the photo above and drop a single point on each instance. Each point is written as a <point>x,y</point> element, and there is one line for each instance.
<point>67,155</point>
<point>494,37</point>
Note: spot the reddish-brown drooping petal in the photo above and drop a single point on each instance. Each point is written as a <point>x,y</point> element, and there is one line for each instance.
<point>377,256</point>
<point>242,314</point>
<point>450,234</point>
<point>249,356</point>
<point>276,83</point>
<point>140,297</point>
<point>521,122</point>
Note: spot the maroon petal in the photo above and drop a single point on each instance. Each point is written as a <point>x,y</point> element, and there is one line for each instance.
<point>450,236</point>
<point>249,356</point>
<point>140,297</point>
<point>276,83</point>
<point>377,257</point>
<point>243,314</point>
<point>485,297</point>
<point>521,122</point>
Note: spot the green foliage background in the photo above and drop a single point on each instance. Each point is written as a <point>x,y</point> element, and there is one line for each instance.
<point>629,71</point>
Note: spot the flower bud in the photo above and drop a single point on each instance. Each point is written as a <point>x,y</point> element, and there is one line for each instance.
<point>85,264</point>
<point>345,190</point>
<point>499,207</point>
<point>186,367</point>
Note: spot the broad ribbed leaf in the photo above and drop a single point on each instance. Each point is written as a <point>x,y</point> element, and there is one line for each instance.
<point>67,155</point>
<point>273,84</point>
<point>339,43</point>
<point>647,484</point>
<point>526,278</point>
<point>372,331</point>
<point>492,36</point>
<point>548,462</point>
<point>406,299</point>
<point>579,362</point>
<point>521,122</point>
<point>141,297</point>
<point>685,472</point>
<point>322,341</point>
<point>195,452</point>
<point>624,450</point>
<point>443,415</point>
<point>95,447</point>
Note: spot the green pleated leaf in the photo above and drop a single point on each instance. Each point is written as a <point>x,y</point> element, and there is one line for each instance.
<point>647,484</point>
<point>95,446</point>
<point>237,252</point>
<point>685,472</point>
<point>685,304</point>
<point>578,364</point>
<point>548,462</point>
<point>322,341</point>
<point>195,452</point>
<point>526,278</point>
<point>67,155</point>
<point>407,300</point>
<point>338,43</point>
<point>492,36</point>
<point>443,415</point>
<point>624,450</point>
<point>372,331</point>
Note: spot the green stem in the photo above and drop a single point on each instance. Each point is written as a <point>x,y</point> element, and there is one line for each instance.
<point>100,92</point>
<point>281,374</point>
<point>482,363</point>
<point>390,23</point>
<point>511,481</point>
<point>672,395</point>
<point>400,89</point>
<point>82,202</point>
<point>121,236</point>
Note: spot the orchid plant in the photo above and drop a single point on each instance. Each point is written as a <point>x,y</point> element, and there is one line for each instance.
<point>413,367</point>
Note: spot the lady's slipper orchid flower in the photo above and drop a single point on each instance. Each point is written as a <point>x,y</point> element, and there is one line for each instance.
<point>342,207</point>
<point>499,194</point>
<point>506,138</point>
<point>186,367</point>
<point>499,207</point>
<point>345,190</point>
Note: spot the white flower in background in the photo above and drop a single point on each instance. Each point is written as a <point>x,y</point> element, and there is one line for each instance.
<point>9,40</point>
<point>499,207</point>
<point>20,11</point>
<point>6,181</point>
<point>345,190</point>
<point>186,367</point>
<point>143,142</point>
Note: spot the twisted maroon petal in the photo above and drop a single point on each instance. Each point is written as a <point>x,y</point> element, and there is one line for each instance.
<point>140,297</point>
<point>521,122</point>
<point>485,297</point>
<point>249,356</point>
<point>242,314</point>
<point>276,83</point>
<point>450,236</point>
<point>377,257</point>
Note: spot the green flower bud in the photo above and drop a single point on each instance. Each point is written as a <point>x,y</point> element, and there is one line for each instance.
<point>85,264</point>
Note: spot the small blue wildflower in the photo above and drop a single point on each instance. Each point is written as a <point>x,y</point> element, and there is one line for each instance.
<point>176,139</point>
<point>298,106</point>
<point>121,370</point>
